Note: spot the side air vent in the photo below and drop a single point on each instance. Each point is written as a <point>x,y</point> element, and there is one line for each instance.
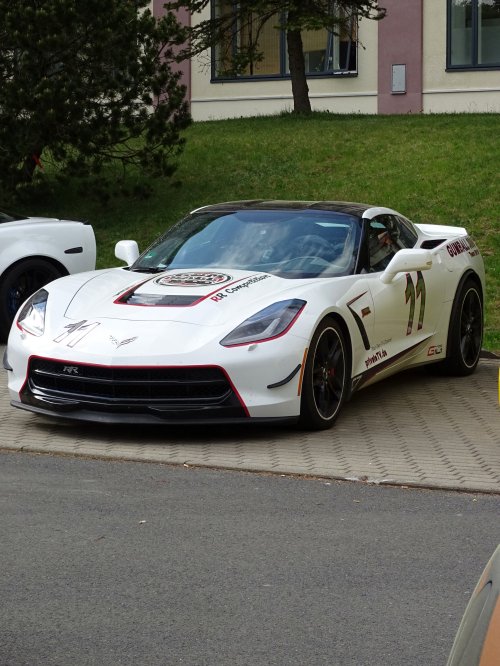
<point>430,244</point>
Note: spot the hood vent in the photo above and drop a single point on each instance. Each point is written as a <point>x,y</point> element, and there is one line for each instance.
<point>159,300</point>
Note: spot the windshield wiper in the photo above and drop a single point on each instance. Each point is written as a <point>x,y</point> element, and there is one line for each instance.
<point>148,269</point>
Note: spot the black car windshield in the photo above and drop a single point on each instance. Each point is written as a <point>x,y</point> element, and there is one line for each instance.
<point>10,217</point>
<point>288,243</point>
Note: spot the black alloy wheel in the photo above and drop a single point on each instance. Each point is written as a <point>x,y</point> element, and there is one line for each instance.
<point>325,377</point>
<point>471,328</point>
<point>466,331</point>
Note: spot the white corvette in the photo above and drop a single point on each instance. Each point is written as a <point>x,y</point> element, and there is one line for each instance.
<point>35,251</point>
<point>248,311</point>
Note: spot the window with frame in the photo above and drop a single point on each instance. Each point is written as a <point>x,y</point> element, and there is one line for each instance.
<point>325,53</point>
<point>387,234</point>
<point>473,34</point>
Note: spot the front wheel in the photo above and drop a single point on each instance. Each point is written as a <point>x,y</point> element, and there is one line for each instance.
<point>466,331</point>
<point>18,283</point>
<point>325,377</point>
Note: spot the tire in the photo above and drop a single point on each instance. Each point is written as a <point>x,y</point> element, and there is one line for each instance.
<point>325,377</point>
<point>465,335</point>
<point>18,283</point>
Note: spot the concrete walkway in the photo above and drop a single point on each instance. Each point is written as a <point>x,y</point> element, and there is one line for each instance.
<point>414,429</point>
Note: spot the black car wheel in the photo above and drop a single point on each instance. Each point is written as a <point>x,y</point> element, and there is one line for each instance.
<point>325,377</point>
<point>465,335</point>
<point>18,283</point>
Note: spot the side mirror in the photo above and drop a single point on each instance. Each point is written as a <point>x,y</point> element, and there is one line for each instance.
<point>406,261</point>
<point>127,251</point>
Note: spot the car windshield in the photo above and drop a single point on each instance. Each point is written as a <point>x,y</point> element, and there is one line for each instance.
<point>10,217</point>
<point>287,243</point>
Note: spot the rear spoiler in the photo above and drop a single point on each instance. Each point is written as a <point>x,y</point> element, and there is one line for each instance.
<point>441,230</point>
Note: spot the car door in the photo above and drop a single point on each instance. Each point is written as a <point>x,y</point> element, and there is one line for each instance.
<point>407,309</point>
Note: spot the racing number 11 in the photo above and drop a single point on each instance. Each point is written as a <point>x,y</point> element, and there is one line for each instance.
<point>413,292</point>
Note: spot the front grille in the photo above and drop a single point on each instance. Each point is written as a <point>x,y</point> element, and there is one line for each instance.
<point>132,388</point>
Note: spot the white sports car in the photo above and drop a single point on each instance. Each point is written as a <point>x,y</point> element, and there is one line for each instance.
<point>251,311</point>
<point>35,251</point>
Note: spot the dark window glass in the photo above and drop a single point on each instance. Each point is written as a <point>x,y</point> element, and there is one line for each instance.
<point>289,243</point>
<point>10,217</point>
<point>474,33</point>
<point>488,27</point>
<point>387,234</point>
<point>461,33</point>
<point>324,52</point>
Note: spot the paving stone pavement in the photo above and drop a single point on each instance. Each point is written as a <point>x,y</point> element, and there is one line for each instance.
<point>414,429</point>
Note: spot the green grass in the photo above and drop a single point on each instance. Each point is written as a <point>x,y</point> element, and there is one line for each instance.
<point>440,169</point>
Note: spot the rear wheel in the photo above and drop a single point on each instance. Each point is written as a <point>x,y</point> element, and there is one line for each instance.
<point>325,377</point>
<point>465,336</point>
<point>18,283</point>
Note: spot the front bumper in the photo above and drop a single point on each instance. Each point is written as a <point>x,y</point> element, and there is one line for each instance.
<point>241,384</point>
<point>147,418</point>
<point>163,393</point>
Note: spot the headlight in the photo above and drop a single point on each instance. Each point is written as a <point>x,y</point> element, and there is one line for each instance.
<point>32,316</point>
<point>267,324</point>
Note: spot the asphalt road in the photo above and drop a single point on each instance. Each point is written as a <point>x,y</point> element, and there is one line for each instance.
<point>412,429</point>
<point>111,563</point>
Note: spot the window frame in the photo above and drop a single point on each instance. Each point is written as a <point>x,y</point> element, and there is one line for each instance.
<point>475,66</point>
<point>283,75</point>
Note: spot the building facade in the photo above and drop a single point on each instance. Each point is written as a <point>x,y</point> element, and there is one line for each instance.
<point>425,56</point>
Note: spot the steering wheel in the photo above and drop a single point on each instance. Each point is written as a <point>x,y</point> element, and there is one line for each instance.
<point>312,245</point>
<point>317,264</point>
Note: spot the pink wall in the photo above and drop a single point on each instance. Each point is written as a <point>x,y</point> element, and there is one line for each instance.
<point>400,43</point>
<point>185,66</point>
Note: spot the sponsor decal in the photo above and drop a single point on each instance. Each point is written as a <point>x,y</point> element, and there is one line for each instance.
<point>360,380</point>
<point>435,350</point>
<point>119,344</point>
<point>235,288</point>
<point>204,279</point>
<point>355,382</point>
<point>357,319</point>
<point>461,245</point>
<point>412,293</point>
<point>381,344</point>
<point>74,333</point>
<point>187,280</point>
<point>375,358</point>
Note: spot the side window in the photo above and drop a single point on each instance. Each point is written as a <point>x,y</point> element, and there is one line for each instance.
<point>407,234</point>
<point>254,47</point>
<point>383,241</point>
<point>473,34</point>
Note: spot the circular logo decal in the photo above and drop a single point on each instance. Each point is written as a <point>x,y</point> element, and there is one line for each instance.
<point>193,279</point>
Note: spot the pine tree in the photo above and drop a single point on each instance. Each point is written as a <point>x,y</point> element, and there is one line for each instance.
<point>86,84</point>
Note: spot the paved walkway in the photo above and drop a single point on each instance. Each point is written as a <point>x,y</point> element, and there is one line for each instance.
<point>413,429</point>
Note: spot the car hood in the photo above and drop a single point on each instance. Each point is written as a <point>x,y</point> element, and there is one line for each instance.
<point>210,297</point>
<point>33,221</point>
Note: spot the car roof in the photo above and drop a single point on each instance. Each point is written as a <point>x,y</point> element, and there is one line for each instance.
<point>350,208</point>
